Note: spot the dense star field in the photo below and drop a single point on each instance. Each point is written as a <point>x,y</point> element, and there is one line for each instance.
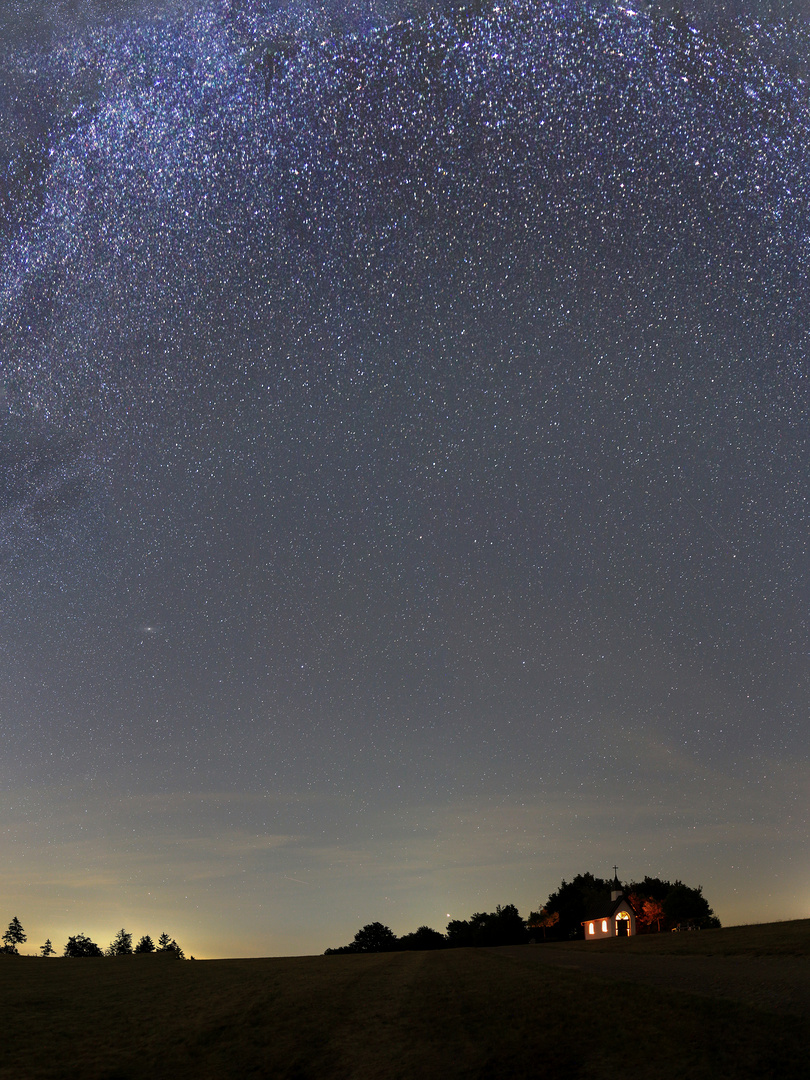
<point>403,463</point>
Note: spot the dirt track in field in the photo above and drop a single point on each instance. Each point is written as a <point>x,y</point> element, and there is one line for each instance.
<point>776,983</point>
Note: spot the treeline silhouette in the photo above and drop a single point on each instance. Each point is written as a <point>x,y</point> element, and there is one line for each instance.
<point>80,945</point>
<point>503,926</point>
<point>658,905</point>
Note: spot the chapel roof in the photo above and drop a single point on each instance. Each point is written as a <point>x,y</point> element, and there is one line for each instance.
<point>606,908</point>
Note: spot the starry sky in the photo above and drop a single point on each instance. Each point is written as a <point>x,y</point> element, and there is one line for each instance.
<point>403,462</point>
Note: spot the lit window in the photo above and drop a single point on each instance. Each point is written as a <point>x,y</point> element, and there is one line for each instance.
<point>590,928</point>
<point>604,926</point>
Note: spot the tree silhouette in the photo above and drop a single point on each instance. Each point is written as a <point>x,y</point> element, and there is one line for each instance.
<point>175,948</point>
<point>121,944</point>
<point>14,936</point>
<point>81,945</point>
<point>374,937</point>
<point>690,906</point>
<point>503,926</point>
<point>543,920</point>
<point>423,938</point>
<point>47,949</point>
<point>145,945</point>
<point>167,944</point>
<point>459,934</point>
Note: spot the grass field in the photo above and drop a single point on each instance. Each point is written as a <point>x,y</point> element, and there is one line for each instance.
<point>766,939</point>
<point>466,1013</point>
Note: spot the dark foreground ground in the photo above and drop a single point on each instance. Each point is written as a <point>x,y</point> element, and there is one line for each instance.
<point>714,1005</point>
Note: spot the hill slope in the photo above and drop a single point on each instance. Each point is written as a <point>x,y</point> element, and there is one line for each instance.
<point>458,1013</point>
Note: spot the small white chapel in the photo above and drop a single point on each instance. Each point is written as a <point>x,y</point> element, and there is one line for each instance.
<point>616,919</point>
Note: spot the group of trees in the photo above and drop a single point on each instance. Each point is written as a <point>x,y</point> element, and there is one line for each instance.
<point>663,905</point>
<point>376,937</point>
<point>121,945</point>
<point>81,945</point>
<point>503,926</point>
<point>659,905</point>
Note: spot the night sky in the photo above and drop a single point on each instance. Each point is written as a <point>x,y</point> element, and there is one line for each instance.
<point>404,481</point>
